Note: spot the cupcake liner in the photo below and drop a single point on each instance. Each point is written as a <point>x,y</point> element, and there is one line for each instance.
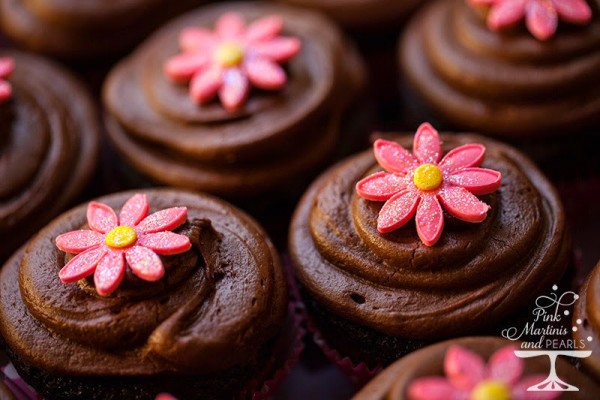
<point>358,372</point>
<point>20,389</point>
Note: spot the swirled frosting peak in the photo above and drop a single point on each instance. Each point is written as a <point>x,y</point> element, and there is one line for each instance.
<point>417,183</point>
<point>541,16</point>
<point>134,237</point>
<point>7,65</point>
<point>231,58</point>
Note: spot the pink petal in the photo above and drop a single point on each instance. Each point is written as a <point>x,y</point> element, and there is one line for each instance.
<point>78,241</point>
<point>519,391</point>
<point>7,66</point>
<point>101,217</point>
<point>164,220</point>
<point>134,210</point>
<point>235,88</point>
<point>277,50</point>
<point>505,14</point>
<point>195,40</point>
<point>81,265</point>
<point>264,29</point>
<point>434,388</point>
<point>464,368</point>
<point>397,211</point>
<point>380,186</point>
<point>183,66</point>
<point>165,243</point>
<point>462,204</point>
<point>392,157</point>
<point>478,181</point>
<point>230,25</point>
<point>541,18</point>
<point>468,155</point>
<point>145,264</point>
<point>109,273</point>
<point>429,220</point>
<point>481,2</point>
<point>426,146</point>
<point>265,74</point>
<point>5,90</point>
<point>505,366</point>
<point>574,11</point>
<point>206,83</point>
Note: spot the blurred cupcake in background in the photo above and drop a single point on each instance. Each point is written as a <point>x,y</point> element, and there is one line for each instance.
<point>49,134</point>
<point>526,72</point>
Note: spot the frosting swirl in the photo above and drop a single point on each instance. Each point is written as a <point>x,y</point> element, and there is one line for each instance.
<point>48,142</point>
<point>473,277</point>
<point>274,136</point>
<point>87,30</point>
<point>216,307</point>
<point>506,84</point>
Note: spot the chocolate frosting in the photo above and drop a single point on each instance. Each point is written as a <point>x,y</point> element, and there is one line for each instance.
<point>216,307</point>
<point>88,29</point>
<point>502,83</point>
<point>5,393</point>
<point>276,136</point>
<point>587,309</point>
<point>361,14</point>
<point>476,274</point>
<point>49,132</point>
<point>393,382</point>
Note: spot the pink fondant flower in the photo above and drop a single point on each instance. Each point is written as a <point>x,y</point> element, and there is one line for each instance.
<point>416,184</point>
<point>231,58</point>
<point>468,377</point>
<point>134,236</point>
<point>7,65</point>
<point>541,16</point>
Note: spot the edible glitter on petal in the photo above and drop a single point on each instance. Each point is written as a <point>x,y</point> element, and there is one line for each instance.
<point>429,220</point>
<point>380,186</point>
<point>164,220</point>
<point>81,265</point>
<point>426,146</point>
<point>109,273</point>
<point>144,263</point>
<point>134,210</point>
<point>462,204</point>
<point>465,156</point>
<point>79,241</point>
<point>397,211</point>
<point>264,29</point>
<point>478,181</point>
<point>393,157</point>
<point>165,243</point>
<point>101,218</point>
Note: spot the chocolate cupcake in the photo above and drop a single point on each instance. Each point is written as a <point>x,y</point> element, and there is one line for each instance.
<point>73,29</point>
<point>189,300</point>
<point>49,132</point>
<point>360,14</point>
<point>284,79</point>
<point>479,67</point>
<point>586,321</point>
<point>378,285</point>
<point>456,369</point>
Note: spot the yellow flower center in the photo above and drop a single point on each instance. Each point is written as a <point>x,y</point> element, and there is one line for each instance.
<point>428,177</point>
<point>121,236</point>
<point>491,390</point>
<point>229,54</point>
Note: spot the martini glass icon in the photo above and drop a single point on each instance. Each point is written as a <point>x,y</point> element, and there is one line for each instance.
<point>553,383</point>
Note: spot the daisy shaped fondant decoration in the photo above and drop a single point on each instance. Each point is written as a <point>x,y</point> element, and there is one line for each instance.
<point>133,237</point>
<point>420,183</point>
<point>7,65</point>
<point>229,59</point>
<point>469,378</point>
<point>541,16</point>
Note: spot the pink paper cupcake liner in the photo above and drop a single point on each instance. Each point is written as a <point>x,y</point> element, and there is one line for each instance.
<point>358,372</point>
